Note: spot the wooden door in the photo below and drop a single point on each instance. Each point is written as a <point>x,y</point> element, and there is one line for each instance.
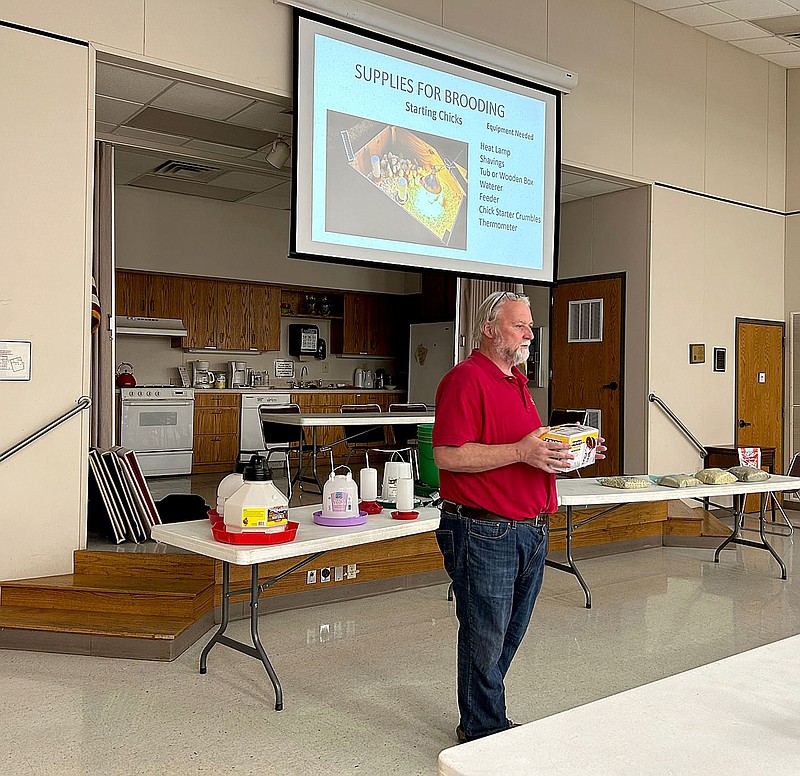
<point>355,325</point>
<point>132,294</point>
<point>234,315</point>
<point>589,374</point>
<point>266,324</point>
<point>200,313</point>
<point>759,389</point>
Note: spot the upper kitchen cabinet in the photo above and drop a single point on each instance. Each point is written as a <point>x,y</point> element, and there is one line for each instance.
<point>149,296</point>
<point>368,326</point>
<point>266,317</point>
<point>222,314</point>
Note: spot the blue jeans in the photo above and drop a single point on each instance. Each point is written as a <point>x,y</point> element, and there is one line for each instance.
<point>497,571</point>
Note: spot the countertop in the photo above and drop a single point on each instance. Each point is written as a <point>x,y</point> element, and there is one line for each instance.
<point>262,389</point>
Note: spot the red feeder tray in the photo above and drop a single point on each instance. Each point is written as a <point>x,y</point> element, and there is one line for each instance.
<point>221,534</point>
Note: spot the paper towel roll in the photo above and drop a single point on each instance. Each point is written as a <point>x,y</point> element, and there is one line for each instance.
<point>405,494</point>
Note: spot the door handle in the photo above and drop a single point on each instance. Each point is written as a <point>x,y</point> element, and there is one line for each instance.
<point>612,386</point>
<point>743,423</point>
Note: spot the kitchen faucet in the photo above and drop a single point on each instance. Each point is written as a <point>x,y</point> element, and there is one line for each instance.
<point>303,373</point>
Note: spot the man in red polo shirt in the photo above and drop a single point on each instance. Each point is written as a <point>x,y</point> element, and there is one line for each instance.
<point>497,481</point>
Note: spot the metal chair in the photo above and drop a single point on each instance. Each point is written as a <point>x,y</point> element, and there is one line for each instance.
<point>282,439</point>
<point>358,438</point>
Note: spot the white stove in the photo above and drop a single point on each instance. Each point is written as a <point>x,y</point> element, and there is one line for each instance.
<point>157,423</point>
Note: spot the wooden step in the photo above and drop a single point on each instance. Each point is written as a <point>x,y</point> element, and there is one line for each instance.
<point>114,595</point>
<point>170,565</point>
<point>145,637</point>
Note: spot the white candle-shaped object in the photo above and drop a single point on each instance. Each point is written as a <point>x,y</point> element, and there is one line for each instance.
<point>368,484</point>
<point>405,494</point>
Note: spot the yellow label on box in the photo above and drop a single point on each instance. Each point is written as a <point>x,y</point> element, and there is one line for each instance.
<point>582,441</point>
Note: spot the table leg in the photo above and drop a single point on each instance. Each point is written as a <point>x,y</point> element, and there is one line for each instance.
<point>570,566</point>
<point>257,650</point>
<point>738,524</point>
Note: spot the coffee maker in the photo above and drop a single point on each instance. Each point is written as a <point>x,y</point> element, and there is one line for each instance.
<point>237,374</point>
<point>202,376</point>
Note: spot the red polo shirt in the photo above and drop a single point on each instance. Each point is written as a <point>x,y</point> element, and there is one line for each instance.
<point>477,402</point>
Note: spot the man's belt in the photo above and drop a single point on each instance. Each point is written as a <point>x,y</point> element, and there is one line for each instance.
<point>474,513</point>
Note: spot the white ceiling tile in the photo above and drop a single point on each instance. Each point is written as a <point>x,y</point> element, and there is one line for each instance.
<point>771,45</point>
<point>155,137</point>
<point>248,181</point>
<point>264,115</point>
<point>201,101</point>
<point>121,177</point>
<point>112,111</point>
<point>101,126</point>
<point>128,84</point>
<point>128,159</point>
<point>593,187</point>
<point>754,9</point>
<point>695,15</point>
<point>662,5</point>
<point>566,197</point>
<point>568,178</point>
<point>277,198</point>
<point>794,3</point>
<point>735,31</point>
<point>216,148</point>
<point>786,60</point>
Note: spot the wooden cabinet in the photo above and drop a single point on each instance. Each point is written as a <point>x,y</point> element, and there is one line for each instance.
<point>265,308</point>
<point>149,296</point>
<point>222,314</point>
<point>216,432</point>
<point>331,402</point>
<point>369,326</point>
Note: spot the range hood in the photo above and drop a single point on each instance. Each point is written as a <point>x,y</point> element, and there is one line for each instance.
<point>154,327</point>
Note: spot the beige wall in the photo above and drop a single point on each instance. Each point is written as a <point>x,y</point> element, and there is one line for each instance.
<point>719,262</point>
<point>656,101</point>
<point>43,298</point>
<point>608,234</point>
<point>163,232</point>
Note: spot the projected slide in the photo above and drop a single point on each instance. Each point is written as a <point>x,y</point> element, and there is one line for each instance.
<point>405,159</point>
<point>417,188</point>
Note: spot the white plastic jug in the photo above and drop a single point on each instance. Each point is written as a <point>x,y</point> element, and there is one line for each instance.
<point>340,495</point>
<point>257,505</point>
<point>226,488</point>
<point>393,470</point>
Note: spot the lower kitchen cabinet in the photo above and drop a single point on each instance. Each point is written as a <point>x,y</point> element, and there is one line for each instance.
<point>216,432</point>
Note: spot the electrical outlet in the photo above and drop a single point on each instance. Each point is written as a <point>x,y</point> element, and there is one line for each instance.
<point>324,367</point>
<point>325,574</point>
<point>311,577</point>
<point>338,573</point>
<point>352,570</point>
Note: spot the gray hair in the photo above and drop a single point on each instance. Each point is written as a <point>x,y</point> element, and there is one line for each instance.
<point>489,308</point>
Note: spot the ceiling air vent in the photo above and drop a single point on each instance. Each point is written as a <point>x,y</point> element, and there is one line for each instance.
<point>786,27</point>
<point>187,171</point>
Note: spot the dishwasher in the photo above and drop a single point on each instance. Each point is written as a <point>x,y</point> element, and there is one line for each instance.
<point>250,439</point>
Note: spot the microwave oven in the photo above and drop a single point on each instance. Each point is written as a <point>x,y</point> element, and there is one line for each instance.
<point>303,339</point>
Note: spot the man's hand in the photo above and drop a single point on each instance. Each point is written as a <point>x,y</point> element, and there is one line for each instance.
<point>601,448</point>
<point>549,456</point>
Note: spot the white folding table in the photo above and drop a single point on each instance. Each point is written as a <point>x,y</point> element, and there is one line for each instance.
<point>588,492</point>
<point>311,541</point>
<point>325,419</point>
<point>737,716</point>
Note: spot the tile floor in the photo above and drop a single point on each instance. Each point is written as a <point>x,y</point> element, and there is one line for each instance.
<point>369,685</point>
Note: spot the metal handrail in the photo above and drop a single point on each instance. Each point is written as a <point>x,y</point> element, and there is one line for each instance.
<point>83,404</point>
<point>677,421</point>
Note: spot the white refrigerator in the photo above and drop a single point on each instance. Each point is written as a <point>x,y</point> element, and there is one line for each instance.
<point>431,354</point>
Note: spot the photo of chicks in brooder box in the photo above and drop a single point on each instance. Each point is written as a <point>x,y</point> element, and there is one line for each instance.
<point>395,183</point>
